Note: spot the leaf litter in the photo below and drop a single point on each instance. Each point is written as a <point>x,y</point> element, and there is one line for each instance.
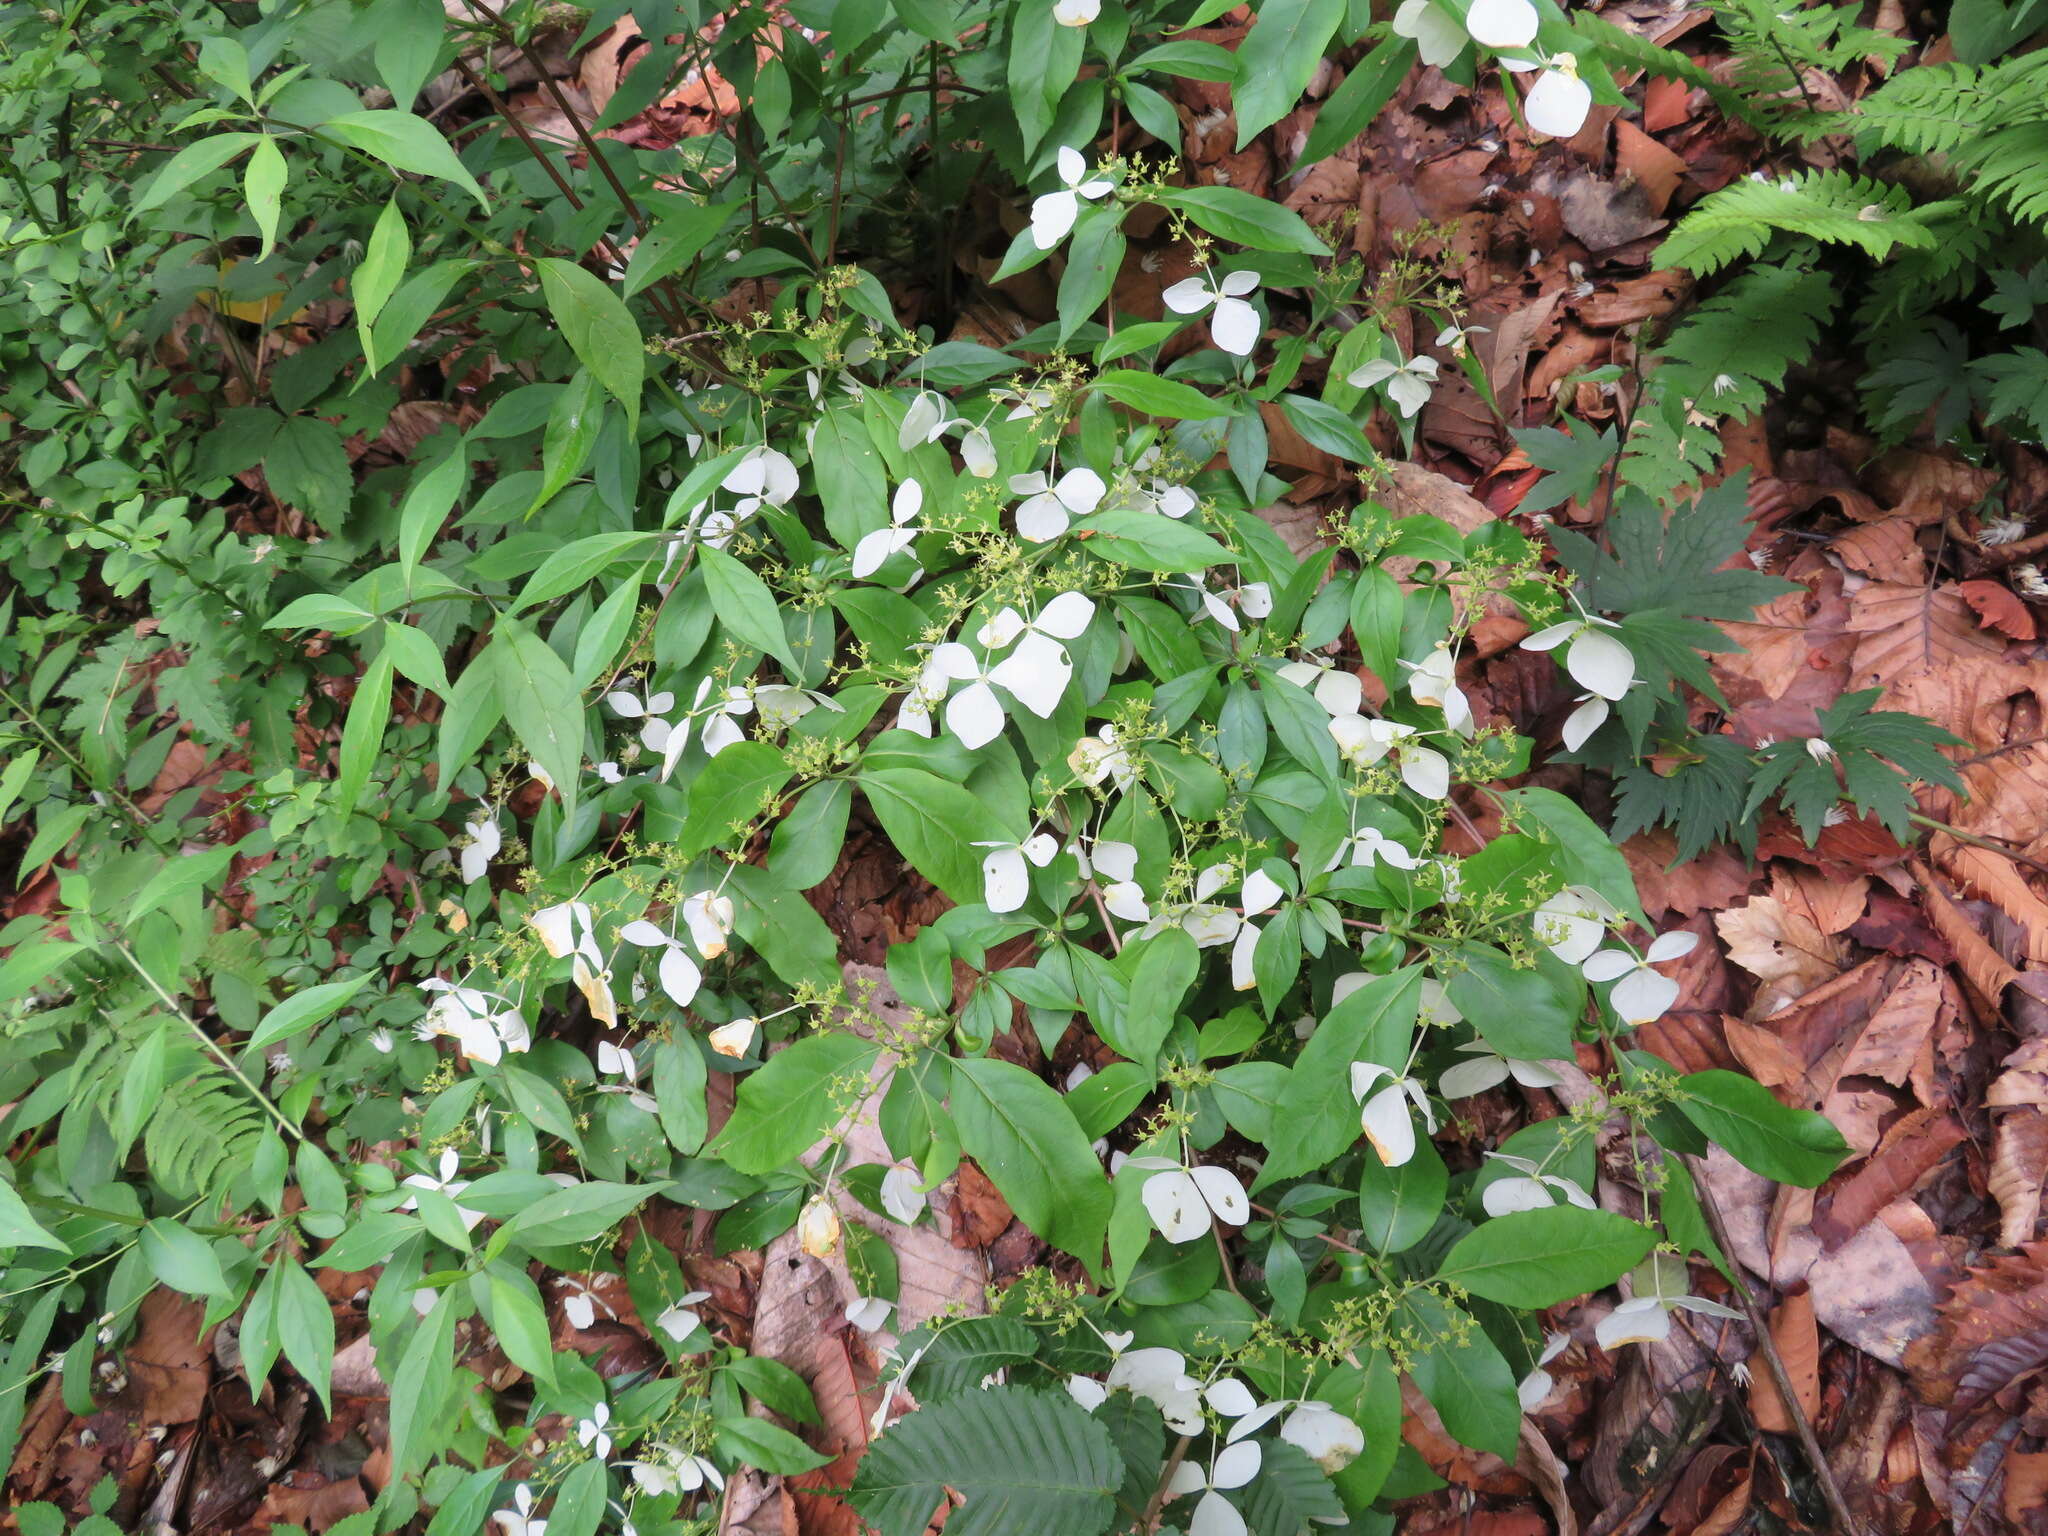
<point>1907,1299</point>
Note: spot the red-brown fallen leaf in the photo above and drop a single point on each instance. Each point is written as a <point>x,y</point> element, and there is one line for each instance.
<point>2025,1493</point>
<point>1993,1333</point>
<point>1910,1148</point>
<point>1666,104</point>
<point>1999,608</point>
<point>1798,1339</point>
<point>2019,1160</point>
<point>1649,164</point>
<point>977,1213</point>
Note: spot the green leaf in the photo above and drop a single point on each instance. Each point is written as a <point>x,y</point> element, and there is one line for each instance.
<point>1317,1119</point>
<point>1095,254</point>
<point>306,466</point>
<point>1354,104</point>
<point>599,329</point>
<point>1166,966</point>
<point>1327,428</point>
<point>1044,57</point>
<point>1793,1146</point>
<point>1152,543</point>
<point>581,560</point>
<point>182,1259</point>
<point>1029,1144</point>
<point>405,143</point>
<point>579,1214</point>
<point>410,308</point>
<point>1536,1259</point>
<point>934,824</point>
<point>958,1356</point>
<point>542,704</point>
<point>1275,61</point>
<point>745,606</point>
<point>363,733</point>
<point>776,1385</point>
<point>1463,1375</point>
<point>730,792</point>
<point>1155,396</point>
<point>793,1100</point>
<point>678,238</point>
<point>190,164</point>
<point>302,1010</point>
<point>1369,1395</point>
<point>521,1324</point>
<point>18,1229</point>
<point>420,1387</point>
<point>408,45</point>
<point>1022,1460</point>
<point>1398,1206</point>
<point>377,276</point>
<point>263,180</point>
<point>1528,1014</point>
<point>474,710</point>
<point>305,1327</point>
<point>177,876</point>
<point>679,1087</point>
<point>1230,213</point>
<point>578,1509</point>
<point>1584,855</point>
<point>767,1446</point>
<point>427,504</point>
<point>416,656</point>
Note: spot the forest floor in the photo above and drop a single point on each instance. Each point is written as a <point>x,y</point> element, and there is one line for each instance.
<point>1900,990</point>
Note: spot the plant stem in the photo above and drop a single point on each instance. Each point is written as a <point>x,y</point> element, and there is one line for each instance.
<point>212,1045</point>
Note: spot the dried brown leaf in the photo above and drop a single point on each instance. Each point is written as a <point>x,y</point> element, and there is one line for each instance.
<point>2019,1162</point>
<point>1798,1340</point>
<point>1782,947</point>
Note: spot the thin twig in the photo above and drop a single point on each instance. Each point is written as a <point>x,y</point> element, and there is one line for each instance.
<point>1149,1521</point>
<point>1989,844</point>
<point>1824,1474</point>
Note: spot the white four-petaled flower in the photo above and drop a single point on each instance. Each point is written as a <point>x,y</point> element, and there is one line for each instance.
<point>1233,323</point>
<point>1006,882</point>
<point>1596,660</point>
<point>1640,994</point>
<point>1053,214</point>
<point>484,1024</point>
<point>1234,1466</point>
<point>1658,1288</point>
<point>1050,506</point>
<point>594,1433</point>
<point>1531,1189</point>
<point>1384,1112</point>
<point>1408,384</point>
<point>1182,1201</point>
<point>874,549</point>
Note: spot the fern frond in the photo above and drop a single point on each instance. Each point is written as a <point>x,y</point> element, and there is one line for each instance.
<point>1668,448</point>
<point>2011,165</point>
<point>1833,206</point>
<point>1618,47</point>
<point>1915,282</point>
<point>1726,355</point>
<point>204,1134</point>
<point>1774,49</point>
<point>2015,390</point>
<point>1936,109</point>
